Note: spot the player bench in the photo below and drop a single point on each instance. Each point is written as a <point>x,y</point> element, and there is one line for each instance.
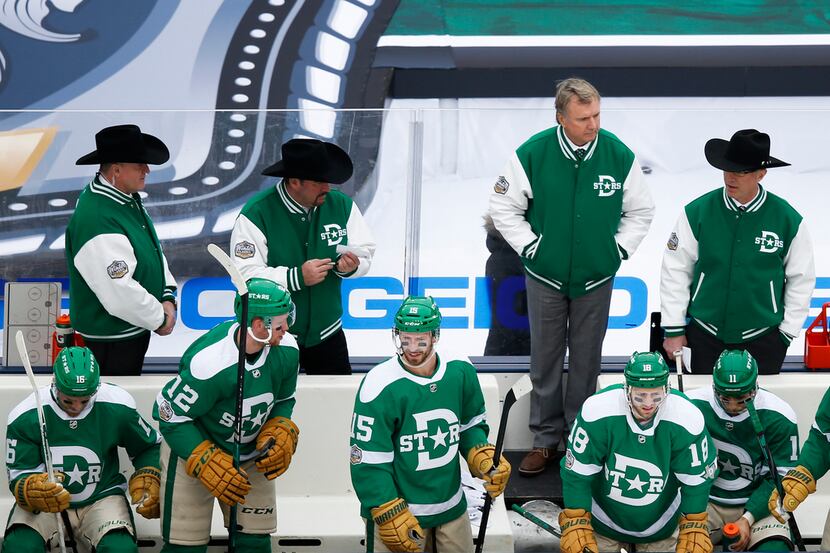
<point>803,391</point>
<point>317,509</point>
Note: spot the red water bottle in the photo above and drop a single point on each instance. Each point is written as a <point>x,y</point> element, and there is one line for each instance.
<point>63,337</point>
<point>731,534</point>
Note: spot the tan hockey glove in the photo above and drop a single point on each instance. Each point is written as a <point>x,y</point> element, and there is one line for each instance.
<point>480,461</point>
<point>36,493</point>
<point>398,528</point>
<point>577,532</point>
<point>215,469</point>
<point>693,535</point>
<point>797,484</point>
<point>285,433</point>
<point>144,492</point>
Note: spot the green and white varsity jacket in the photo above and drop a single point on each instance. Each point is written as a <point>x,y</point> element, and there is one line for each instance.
<point>118,274</point>
<point>572,221</point>
<point>737,273</point>
<point>274,235</point>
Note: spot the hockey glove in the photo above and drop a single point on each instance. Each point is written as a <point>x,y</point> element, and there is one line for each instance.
<point>144,491</point>
<point>577,532</point>
<point>693,535</point>
<point>215,469</point>
<point>36,493</point>
<point>480,461</point>
<point>398,528</point>
<point>276,460</point>
<point>797,484</point>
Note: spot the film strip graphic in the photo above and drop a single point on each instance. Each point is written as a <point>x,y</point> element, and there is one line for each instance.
<point>304,55</point>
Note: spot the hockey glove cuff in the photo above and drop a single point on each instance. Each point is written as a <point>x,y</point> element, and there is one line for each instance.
<point>797,484</point>
<point>144,492</point>
<point>480,461</point>
<point>693,535</point>
<point>276,460</point>
<point>398,528</point>
<point>36,493</point>
<point>214,468</point>
<point>577,532</point>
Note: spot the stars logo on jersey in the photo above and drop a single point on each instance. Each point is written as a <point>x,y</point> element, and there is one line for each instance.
<point>769,242</point>
<point>501,185</point>
<point>737,470</point>
<point>82,468</point>
<point>244,250</point>
<point>634,482</point>
<point>117,269</point>
<point>255,412</point>
<point>606,186</point>
<point>333,234</point>
<point>437,431</point>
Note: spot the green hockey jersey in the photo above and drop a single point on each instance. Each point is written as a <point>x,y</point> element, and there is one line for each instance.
<point>407,432</point>
<point>200,403</point>
<point>744,477</point>
<point>637,481</point>
<point>815,455</point>
<point>84,448</point>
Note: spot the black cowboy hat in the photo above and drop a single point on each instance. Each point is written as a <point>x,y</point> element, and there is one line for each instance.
<point>125,144</point>
<point>307,158</point>
<point>747,150</point>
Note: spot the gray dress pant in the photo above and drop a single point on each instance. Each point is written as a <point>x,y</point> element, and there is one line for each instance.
<point>557,321</point>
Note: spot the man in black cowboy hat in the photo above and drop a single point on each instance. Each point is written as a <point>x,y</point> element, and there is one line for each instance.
<point>121,288</point>
<point>307,237</point>
<point>738,269</point>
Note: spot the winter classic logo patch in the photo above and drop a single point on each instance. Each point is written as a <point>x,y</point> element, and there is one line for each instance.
<point>501,185</point>
<point>244,250</point>
<point>165,411</point>
<point>673,241</point>
<point>117,269</point>
<point>356,455</point>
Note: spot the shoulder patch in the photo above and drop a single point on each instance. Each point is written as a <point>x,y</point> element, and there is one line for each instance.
<point>673,242</point>
<point>356,455</point>
<point>117,269</point>
<point>165,410</point>
<point>244,250</point>
<point>501,185</point>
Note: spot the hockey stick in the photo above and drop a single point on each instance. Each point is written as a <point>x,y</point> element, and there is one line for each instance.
<point>776,478</point>
<point>47,453</point>
<point>536,520</point>
<point>242,288</point>
<point>519,389</point>
<point>678,363</point>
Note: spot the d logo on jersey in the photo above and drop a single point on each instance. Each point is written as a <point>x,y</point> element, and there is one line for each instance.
<point>255,411</point>
<point>634,481</point>
<point>769,242</point>
<point>737,470</point>
<point>437,431</point>
<point>82,468</point>
<point>606,185</point>
<point>333,234</point>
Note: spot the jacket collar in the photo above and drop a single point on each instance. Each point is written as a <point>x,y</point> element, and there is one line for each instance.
<point>752,206</point>
<point>290,203</point>
<point>99,185</point>
<point>568,148</point>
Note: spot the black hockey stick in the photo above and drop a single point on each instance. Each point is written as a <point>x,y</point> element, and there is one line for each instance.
<point>62,519</point>
<point>536,520</point>
<point>776,478</point>
<point>242,288</point>
<point>678,363</point>
<point>519,389</point>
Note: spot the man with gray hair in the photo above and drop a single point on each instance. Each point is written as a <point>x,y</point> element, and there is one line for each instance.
<point>573,203</point>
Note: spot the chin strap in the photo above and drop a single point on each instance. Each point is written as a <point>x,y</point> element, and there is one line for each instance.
<point>264,341</point>
<point>419,365</point>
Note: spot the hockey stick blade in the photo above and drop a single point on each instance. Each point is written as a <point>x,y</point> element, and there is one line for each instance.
<point>536,520</point>
<point>47,455</point>
<point>520,389</point>
<point>236,277</point>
